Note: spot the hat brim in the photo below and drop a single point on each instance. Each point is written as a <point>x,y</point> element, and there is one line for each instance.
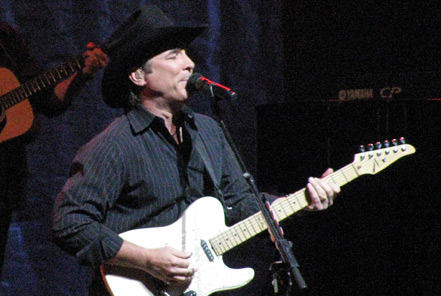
<point>115,84</point>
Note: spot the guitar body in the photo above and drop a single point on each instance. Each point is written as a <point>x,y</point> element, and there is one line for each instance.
<point>18,119</point>
<point>201,221</point>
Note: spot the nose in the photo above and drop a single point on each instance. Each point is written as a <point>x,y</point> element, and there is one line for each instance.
<point>188,63</point>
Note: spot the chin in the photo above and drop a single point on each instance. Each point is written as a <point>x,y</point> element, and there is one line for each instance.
<point>183,97</point>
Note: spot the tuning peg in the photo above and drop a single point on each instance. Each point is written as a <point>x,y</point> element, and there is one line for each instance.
<point>394,142</point>
<point>378,145</point>
<point>386,144</point>
<point>370,147</point>
<point>361,148</point>
<point>402,140</point>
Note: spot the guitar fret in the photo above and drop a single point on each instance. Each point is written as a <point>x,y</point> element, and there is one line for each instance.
<point>235,236</point>
<point>214,244</point>
<point>244,230</point>
<point>30,86</point>
<point>227,238</point>
<point>5,101</point>
<point>227,241</point>
<point>38,87</point>
<point>57,73</point>
<point>344,176</point>
<point>261,223</point>
<point>289,202</point>
<point>348,170</point>
<point>333,179</point>
<point>77,64</point>
<point>35,85</point>
<point>80,60</point>
<point>250,222</point>
<point>52,77</point>
<point>284,210</point>
<point>8,100</point>
<point>237,233</point>
<point>14,98</point>
<point>221,247</point>
<point>64,72</point>
<point>45,82</point>
<point>26,90</point>
<point>20,92</point>
<point>290,206</point>
<point>279,210</point>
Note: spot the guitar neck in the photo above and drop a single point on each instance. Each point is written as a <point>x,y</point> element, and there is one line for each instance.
<point>41,82</point>
<point>248,228</point>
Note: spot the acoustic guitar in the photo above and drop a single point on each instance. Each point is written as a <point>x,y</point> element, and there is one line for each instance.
<point>17,116</point>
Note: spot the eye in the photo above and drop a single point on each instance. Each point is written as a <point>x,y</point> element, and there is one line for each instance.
<point>174,53</point>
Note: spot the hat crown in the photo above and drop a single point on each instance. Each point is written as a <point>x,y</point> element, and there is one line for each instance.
<point>147,20</point>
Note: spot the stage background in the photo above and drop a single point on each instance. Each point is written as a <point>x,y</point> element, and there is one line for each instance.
<point>289,61</point>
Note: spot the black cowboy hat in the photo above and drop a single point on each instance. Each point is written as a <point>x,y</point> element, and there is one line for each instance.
<point>145,34</point>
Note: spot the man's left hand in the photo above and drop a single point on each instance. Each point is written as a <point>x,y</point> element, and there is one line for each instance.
<point>320,192</point>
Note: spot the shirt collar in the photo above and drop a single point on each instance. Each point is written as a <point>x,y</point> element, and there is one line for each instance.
<point>140,118</point>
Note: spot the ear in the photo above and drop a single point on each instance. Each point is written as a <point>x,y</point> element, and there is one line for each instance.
<point>137,77</point>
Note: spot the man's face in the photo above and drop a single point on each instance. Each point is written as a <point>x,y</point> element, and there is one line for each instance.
<point>169,74</point>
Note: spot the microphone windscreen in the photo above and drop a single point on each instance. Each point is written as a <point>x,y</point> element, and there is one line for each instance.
<point>192,83</point>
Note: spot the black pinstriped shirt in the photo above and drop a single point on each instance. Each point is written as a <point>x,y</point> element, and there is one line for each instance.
<point>134,175</point>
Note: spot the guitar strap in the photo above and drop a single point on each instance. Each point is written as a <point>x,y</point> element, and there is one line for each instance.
<point>202,150</point>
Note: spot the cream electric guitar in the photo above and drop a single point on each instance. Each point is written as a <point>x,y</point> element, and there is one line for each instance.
<point>202,231</point>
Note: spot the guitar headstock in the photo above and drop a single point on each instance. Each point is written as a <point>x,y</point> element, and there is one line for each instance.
<point>376,158</point>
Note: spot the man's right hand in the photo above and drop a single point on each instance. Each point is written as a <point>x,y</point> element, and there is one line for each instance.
<point>169,265</point>
<point>166,264</point>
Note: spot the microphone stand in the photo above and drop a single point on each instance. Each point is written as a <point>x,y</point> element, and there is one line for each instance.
<point>289,263</point>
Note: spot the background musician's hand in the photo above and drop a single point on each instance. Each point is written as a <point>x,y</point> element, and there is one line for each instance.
<point>96,59</point>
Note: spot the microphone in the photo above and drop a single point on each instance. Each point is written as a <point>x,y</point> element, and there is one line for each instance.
<point>219,91</point>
